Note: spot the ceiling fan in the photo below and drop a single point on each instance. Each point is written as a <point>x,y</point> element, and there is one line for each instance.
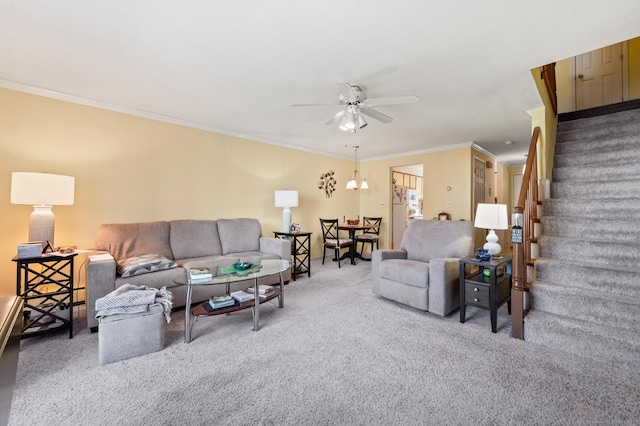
<point>356,104</point>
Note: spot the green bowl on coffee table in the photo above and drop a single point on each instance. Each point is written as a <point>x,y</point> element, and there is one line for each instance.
<point>241,266</point>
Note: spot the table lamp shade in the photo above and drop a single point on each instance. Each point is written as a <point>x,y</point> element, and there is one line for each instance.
<point>286,199</point>
<point>42,190</point>
<point>492,216</point>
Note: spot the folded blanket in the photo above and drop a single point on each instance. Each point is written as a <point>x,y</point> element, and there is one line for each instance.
<point>131,299</point>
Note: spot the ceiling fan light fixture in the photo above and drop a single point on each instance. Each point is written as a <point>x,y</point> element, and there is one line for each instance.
<point>362,123</point>
<point>364,184</point>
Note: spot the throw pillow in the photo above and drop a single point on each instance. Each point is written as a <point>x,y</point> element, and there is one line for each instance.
<point>143,264</point>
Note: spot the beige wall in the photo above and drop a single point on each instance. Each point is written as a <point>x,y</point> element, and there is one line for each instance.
<point>634,68</point>
<point>131,169</point>
<point>440,169</point>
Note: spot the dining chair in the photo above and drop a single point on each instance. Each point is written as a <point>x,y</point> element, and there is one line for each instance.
<point>331,239</point>
<point>371,235</point>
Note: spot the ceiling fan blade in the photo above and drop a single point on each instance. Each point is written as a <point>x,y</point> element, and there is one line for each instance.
<point>376,114</point>
<point>314,105</point>
<point>391,100</point>
<point>336,117</point>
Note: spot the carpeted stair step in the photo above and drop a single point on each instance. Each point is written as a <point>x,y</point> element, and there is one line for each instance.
<point>612,230</point>
<point>587,305</point>
<point>602,133</point>
<point>596,156</point>
<point>629,188</point>
<point>596,253</point>
<point>620,117</point>
<point>621,171</point>
<point>621,282</point>
<point>627,208</point>
<point>595,341</point>
<point>612,144</point>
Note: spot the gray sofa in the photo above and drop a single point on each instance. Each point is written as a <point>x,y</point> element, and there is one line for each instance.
<point>424,272</point>
<point>181,244</point>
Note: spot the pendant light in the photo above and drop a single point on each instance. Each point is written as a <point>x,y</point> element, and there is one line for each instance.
<point>353,182</point>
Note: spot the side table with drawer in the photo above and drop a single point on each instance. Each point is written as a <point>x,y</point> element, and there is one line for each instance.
<point>485,284</point>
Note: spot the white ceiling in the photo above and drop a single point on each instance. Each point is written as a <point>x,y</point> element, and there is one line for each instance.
<point>236,67</point>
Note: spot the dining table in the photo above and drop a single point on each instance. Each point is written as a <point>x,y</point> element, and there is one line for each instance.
<point>352,253</point>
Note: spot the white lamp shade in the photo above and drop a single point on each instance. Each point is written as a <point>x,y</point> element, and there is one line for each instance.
<point>42,189</point>
<point>286,198</point>
<point>491,216</point>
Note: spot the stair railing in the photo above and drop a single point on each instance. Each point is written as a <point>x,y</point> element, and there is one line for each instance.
<point>525,216</point>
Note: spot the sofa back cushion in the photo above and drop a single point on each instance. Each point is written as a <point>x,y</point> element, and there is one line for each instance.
<point>125,240</point>
<point>239,235</point>
<point>433,239</point>
<point>194,238</point>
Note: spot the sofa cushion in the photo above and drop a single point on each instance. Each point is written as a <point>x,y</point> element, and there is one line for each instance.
<point>125,240</point>
<point>144,264</point>
<point>433,239</point>
<point>239,235</point>
<point>194,238</point>
<point>410,272</point>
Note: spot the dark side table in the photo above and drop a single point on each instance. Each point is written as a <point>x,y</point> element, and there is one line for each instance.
<point>300,251</point>
<point>46,286</point>
<point>487,290</point>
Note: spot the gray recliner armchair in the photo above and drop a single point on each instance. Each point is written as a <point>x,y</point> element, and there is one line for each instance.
<point>424,272</point>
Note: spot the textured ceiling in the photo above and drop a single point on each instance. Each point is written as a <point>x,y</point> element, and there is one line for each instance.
<point>236,67</point>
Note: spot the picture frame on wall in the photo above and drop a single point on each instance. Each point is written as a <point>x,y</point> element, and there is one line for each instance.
<point>444,216</point>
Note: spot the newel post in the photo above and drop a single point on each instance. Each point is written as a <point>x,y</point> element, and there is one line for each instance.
<point>518,274</point>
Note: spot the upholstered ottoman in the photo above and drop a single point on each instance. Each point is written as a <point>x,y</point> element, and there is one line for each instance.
<point>123,336</point>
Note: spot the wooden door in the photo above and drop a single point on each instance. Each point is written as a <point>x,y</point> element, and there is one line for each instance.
<point>479,168</point>
<point>599,77</point>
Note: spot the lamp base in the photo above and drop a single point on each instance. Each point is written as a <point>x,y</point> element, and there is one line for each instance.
<point>492,245</point>
<point>286,219</point>
<point>41,224</point>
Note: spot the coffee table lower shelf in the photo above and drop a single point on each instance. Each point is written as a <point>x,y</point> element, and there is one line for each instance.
<point>201,311</point>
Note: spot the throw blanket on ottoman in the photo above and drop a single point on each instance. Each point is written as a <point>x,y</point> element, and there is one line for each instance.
<point>131,299</point>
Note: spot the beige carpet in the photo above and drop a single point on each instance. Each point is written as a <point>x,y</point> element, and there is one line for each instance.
<point>335,355</point>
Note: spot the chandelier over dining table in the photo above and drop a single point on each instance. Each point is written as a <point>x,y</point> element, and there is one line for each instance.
<point>356,181</point>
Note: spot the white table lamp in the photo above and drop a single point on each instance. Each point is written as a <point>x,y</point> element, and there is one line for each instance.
<point>286,199</point>
<point>492,216</point>
<point>42,191</point>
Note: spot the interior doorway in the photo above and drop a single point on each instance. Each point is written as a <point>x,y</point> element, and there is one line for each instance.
<point>407,197</point>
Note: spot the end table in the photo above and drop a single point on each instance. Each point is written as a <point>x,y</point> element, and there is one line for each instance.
<point>487,290</point>
<point>300,251</point>
<point>45,284</point>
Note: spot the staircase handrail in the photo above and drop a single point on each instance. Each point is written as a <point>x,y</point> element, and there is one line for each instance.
<point>525,215</point>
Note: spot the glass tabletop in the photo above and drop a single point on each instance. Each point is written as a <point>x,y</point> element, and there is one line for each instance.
<point>227,274</point>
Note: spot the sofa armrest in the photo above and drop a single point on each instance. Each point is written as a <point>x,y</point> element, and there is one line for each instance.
<point>444,285</point>
<point>278,246</point>
<point>100,281</point>
<point>377,256</point>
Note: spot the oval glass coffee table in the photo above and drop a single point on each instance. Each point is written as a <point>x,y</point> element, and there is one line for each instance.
<point>269,267</point>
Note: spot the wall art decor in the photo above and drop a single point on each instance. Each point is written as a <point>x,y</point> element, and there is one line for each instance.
<point>327,183</point>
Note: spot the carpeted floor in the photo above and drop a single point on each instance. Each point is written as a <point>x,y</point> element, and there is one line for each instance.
<point>335,355</point>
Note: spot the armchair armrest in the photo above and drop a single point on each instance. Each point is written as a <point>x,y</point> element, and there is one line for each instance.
<point>377,256</point>
<point>278,246</point>
<point>100,281</point>
<point>444,285</point>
